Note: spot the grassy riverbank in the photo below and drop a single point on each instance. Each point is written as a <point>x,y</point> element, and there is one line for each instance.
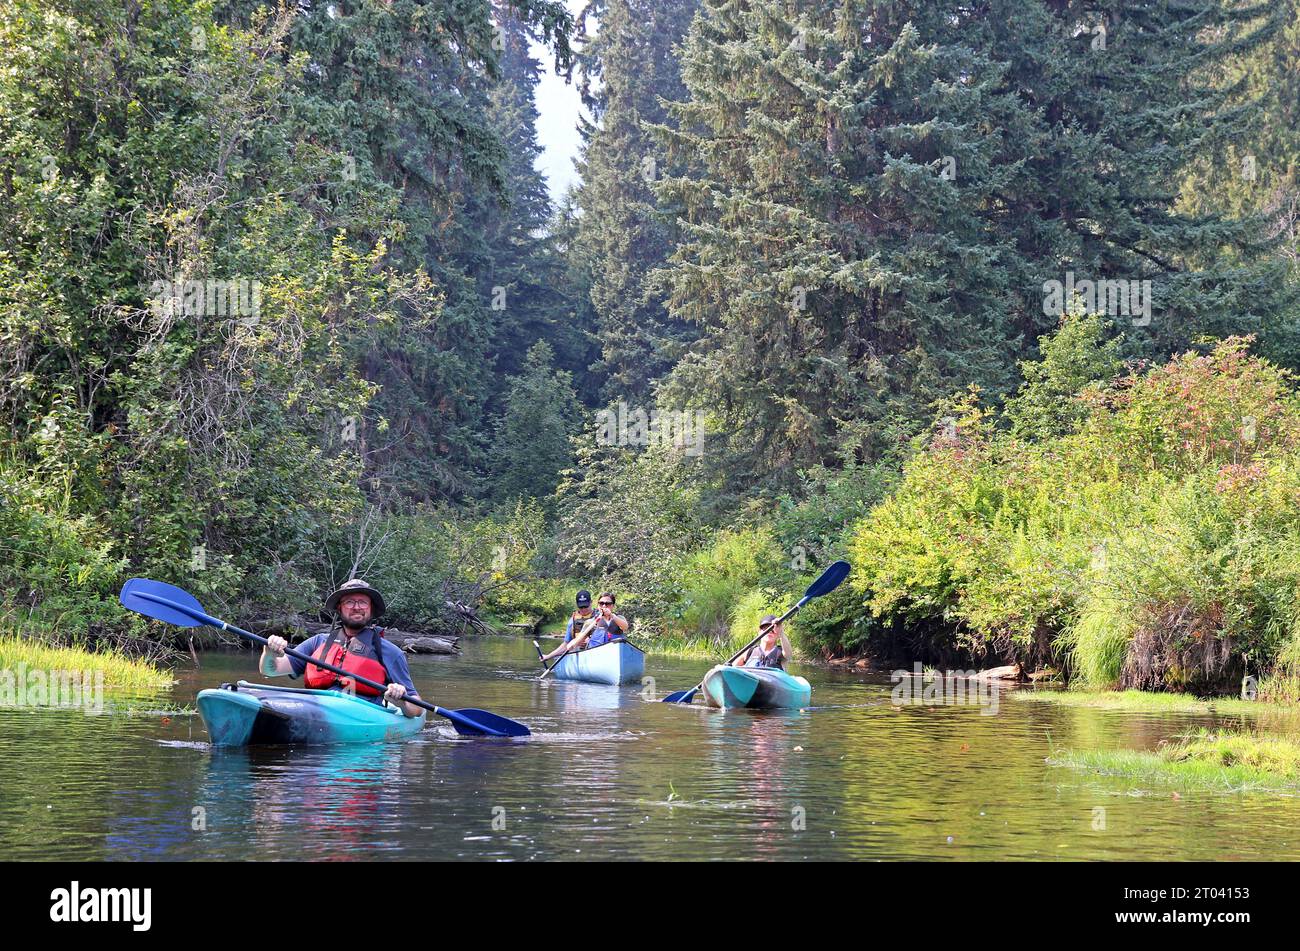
<point>119,671</point>
<point>1225,760</point>
<point>1142,701</point>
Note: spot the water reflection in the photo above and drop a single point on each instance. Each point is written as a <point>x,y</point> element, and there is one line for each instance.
<point>609,775</point>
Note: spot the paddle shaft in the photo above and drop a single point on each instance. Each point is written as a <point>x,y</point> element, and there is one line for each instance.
<point>567,646</point>
<point>218,623</point>
<point>542,659</point>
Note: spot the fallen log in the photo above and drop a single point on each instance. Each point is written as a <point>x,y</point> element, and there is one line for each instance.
<point>1008,672</point>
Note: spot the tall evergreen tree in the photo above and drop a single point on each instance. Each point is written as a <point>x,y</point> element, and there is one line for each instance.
<point>878,192</point>
<point>1258,172</point>
<point>407,86</point>
<point>523,278</point>
<point>629,66</point>
<point>532,438</point>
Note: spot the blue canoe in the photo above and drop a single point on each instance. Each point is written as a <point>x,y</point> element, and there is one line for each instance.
<point>617,662</point>
<point>758,688</point>
<point>254,714</point>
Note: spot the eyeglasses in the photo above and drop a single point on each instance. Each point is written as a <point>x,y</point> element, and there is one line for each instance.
<point>606,604</point>
<point>354,602</point>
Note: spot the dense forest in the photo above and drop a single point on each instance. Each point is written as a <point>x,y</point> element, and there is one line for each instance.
<point>1000,301</point>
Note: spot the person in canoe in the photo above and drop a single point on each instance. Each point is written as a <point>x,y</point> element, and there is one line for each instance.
<point>356,645</point>
<point>772,651</point>
<point>579,617</point>
<point>601,628</point>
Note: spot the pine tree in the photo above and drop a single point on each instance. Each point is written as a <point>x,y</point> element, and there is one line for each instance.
<point>533,435</point>
<point>406,87</point>
<point>877,194</point>
<point>628,66</point>
<point>524,276</point>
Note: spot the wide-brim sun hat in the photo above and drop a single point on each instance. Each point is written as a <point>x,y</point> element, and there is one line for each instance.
<point>357,586</point>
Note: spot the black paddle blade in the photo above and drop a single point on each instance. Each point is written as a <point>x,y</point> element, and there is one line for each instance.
<point>830,580</point>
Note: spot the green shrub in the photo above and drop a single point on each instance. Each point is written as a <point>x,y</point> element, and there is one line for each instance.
<point>54,564</point>
<point>624,517</point>
<point>714,580</point>
<point>549,600</point>
<point>1154,544</point>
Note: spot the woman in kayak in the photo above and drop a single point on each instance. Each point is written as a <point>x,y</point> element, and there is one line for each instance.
<point>579,617</point>
<point>772,651</point>
<point>600,629</point>
<point>356,645</point>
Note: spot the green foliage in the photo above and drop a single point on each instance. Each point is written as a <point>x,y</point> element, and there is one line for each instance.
<point>548,600</point>
<point>715,582</point>
<point>624,516</point>
<point>1098,642</point>
<point>420,555</point>
<point>1072,357</point>
<point>533,435</point>
<point>61,565</point>
<point>1153,545</point>
<point>813,525</point>
<point>334,164</point>
<point>866,227</point>
<point>814,239</point>
<point>629,66</point>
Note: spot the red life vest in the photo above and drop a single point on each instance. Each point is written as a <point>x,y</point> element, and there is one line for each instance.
<point>334,650</point>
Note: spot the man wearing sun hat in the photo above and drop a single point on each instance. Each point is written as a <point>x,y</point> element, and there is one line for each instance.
<point>356,645</point>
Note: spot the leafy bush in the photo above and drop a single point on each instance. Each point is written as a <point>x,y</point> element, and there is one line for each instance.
<point>549,600</point>
<point>624,517</point>
<point>54,564</point>
<point>815,527</point>
<point>1152,545</point>
<point>715,580</point>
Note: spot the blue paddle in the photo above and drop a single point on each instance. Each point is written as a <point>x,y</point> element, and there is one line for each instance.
<point>826,582</point>
<point>166,602</point>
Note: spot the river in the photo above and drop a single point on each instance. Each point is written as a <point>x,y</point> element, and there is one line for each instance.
<point>607,775</point>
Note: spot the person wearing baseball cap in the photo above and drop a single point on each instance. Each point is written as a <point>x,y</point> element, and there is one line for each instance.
<point>596,630</point>
<point>356,645</point>
<point>580,616</point>
<point>772,651</point>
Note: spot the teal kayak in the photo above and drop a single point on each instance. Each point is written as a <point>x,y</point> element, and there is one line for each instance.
<point>758,688</point>
<point>617,662</point>
<point>246,714</point>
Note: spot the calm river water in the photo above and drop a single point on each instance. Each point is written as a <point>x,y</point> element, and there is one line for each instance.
<point>607,775</point>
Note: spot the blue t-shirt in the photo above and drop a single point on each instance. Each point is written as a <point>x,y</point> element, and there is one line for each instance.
<point>605,632</point>
<point>393,657</point>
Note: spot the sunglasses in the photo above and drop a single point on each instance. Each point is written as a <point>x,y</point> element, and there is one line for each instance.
<point>606,604</point>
